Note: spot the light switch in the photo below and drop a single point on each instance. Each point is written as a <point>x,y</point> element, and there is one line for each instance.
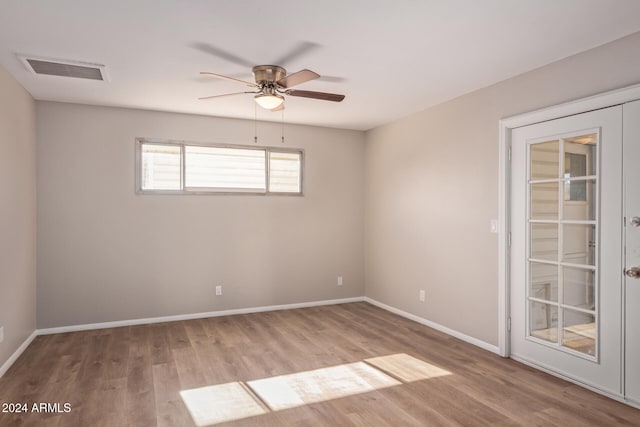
<point>493,226</point>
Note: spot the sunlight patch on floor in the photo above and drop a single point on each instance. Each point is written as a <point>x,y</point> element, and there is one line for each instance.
<point>232,401</point>
<point>407,368</point>
<point>288,391</point>
<point>219,403</point>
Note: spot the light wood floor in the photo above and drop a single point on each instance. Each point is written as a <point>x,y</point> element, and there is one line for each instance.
<point>133,375</point>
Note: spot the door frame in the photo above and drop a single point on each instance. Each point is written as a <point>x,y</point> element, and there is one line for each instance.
<point>505,126</point>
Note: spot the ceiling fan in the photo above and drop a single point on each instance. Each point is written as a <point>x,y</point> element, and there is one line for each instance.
<point>272,83</point>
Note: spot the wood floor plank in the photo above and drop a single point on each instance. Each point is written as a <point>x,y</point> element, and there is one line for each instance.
<point>133,376</point>
<point>210,356</point>
<point>117,353</point>
<point>170,410</point>
<point>188,368</point>
<point>103,405</point>
<point>140,403</point>
<point>160,349</point>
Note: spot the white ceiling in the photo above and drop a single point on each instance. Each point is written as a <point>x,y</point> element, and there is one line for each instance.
<point>390,58</point>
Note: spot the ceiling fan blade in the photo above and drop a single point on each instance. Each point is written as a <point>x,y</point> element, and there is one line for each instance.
<point>316,95</point>
<point>215,51</point>
<point>297,78</point>
<point>300,49</point>
<point>231,79</point>
<point>278,108</point>
<point>332,79</point>
<point>226,94</point>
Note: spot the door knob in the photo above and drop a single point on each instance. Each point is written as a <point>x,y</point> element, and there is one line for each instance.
<point>633,272</point>
<point>635,221</point>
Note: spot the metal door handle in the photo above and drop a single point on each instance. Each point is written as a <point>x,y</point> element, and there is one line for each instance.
<point>633,272</point>
<point>635,221</point>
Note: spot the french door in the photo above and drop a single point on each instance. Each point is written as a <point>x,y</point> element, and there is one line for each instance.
<point>632,250</point>
<point>567,247</point>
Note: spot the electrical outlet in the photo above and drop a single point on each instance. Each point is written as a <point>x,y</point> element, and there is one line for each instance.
<point>218,290</point>
<point>339,280</point>
<point>421,295</point>
<point>1,333</point>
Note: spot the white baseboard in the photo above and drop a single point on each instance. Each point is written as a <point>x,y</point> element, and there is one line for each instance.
<point>466,338</point>
<point>133,322</point>
<point>6,365</point>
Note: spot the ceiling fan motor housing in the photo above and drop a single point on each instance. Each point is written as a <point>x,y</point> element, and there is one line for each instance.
<point>268,73</point>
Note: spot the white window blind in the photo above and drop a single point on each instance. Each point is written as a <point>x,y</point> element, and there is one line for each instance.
<point>284,172</point>
<point>183,168</point>
<point>224,168</point>
<point>160,167</point>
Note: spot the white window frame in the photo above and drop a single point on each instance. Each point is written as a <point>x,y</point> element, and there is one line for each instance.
<point>212,191</point>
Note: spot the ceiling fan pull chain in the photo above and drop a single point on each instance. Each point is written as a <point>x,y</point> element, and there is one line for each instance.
<point>255,123</point>
<point>282,125</point>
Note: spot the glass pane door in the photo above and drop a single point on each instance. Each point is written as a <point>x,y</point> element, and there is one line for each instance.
<point>562,223</point>
<point>565,259</point>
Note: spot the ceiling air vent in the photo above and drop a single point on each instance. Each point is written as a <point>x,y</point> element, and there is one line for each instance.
<point>64,68</point>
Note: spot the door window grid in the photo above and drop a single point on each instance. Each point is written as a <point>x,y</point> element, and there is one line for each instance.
<point>551,318</point>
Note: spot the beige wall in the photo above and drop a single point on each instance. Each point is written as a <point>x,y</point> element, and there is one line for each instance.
<point>425,185</point>
<point>106,254</point>
<point>17,215</point>
<point>432,188</point>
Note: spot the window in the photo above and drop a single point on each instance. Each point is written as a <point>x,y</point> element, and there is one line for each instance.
<point>188,168</point>
<point>562,237</point>
<point>230,169</point>
<point>160,167</point>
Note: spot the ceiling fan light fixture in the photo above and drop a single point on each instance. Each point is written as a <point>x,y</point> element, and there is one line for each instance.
<point>269,102</point>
